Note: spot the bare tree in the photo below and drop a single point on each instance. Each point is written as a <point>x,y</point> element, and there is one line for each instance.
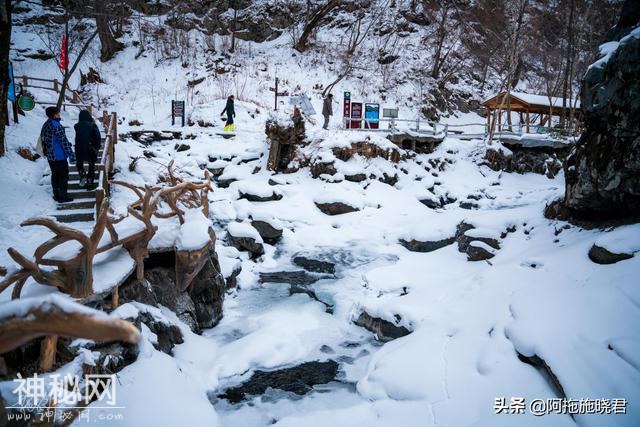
<point>516,11</point>
<point>105,12</point>
<point>316,18</point>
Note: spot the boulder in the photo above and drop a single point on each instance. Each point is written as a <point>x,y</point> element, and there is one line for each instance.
<point>426,246</point>
<point>314,265</point>
<point>384,330</point>
<point>267,231</point>
<point>336,208</point>
<point>298,277</point>
<point>519,159</point>
<point>603,173</point>
<point>358,177</point>
<point>248,244</point>
<point>601,255</point>
<point>298,379</point>
<point>476,248</point>
<point>259,198</point>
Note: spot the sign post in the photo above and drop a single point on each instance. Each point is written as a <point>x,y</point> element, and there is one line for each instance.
<point>177,110</point>
<point>275,108</point>
<point>346,112</point>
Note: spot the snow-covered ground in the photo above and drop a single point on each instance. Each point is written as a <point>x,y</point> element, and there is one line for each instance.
<point>540,295</point>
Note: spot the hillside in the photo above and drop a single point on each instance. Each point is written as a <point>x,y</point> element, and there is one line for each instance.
<point>362,282</point>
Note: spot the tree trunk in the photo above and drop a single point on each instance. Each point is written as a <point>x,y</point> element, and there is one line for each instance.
<point>567,71</point>
<point>301,44</point>
<point>233,31</point>
<point>109,46</point>
<point>5,42</point>
<point>442,34</point>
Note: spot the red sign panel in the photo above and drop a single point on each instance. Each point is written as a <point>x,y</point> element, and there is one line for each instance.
<point>356,113</point>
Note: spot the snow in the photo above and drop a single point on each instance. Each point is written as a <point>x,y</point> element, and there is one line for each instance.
<point>624,239</point>
<point>606,50</point>
<point>542,100</point>
<point>244,229</point>
<point>541,295</point>
<point>21,307</point>
<point>194,233</point>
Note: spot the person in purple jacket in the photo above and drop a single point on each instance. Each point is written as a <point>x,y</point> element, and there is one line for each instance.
<point>58,151</point>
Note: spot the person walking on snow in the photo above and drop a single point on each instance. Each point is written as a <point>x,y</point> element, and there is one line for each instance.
<point>57,149</point>
<point>327,110</point>
<point>231,113</point>
<point>87,147</point>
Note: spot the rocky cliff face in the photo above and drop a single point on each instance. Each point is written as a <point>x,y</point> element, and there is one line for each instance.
<point>603,173</point>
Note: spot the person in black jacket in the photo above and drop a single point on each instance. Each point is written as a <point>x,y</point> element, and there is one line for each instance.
<point>231,113</point>
<point>87,147</point>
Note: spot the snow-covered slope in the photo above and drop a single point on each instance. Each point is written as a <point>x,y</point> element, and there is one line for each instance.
<point>473,323</point>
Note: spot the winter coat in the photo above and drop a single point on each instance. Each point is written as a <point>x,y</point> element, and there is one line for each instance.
<point>55,144</point>
<point>229,109</point>
<point>87,138</point>
<point>327,108</point>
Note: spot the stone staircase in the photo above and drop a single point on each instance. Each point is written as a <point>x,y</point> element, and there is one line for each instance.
<point>83,206</point>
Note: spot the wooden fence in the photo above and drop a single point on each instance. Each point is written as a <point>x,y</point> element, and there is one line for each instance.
<point>75,100</point>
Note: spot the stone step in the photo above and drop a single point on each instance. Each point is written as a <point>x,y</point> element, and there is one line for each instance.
<point>74,170</point>
<point>75,176</point>
<point>75,217</point>
<point>75,185</point>
<point>82,194</point>
<point>82,204</point>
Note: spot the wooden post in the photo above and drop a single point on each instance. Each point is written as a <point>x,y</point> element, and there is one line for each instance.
<point>499,120</point>
<point>48,352</point>
<point>25,81</point>
<point>55,85</point>
<point>488,119</point>
<point>99,197</point>
<point>114,298</point>
<point>105,120</point>
<point>527,121</point>
<point>114,119</point>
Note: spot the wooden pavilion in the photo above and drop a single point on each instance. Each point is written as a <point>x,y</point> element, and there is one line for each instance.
<point>526,104</point>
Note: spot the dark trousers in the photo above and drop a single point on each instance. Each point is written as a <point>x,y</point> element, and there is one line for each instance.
<point>92,168</point>
<point>326,121</point>
<point>59,178</point>
<point>229,120</point>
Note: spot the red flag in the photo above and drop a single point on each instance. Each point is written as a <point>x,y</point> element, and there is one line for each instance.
<point>64,57</point>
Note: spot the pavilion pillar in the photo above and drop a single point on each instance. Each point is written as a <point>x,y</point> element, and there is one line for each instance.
<point>527,121</point>
<point>499,120</point>
<point>488,120</point>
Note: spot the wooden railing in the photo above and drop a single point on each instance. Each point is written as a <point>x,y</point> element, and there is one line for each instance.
<point>105,167</point>
<point>55,86</point>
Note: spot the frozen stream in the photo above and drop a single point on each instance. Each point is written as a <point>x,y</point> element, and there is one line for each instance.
<point>295,328</point>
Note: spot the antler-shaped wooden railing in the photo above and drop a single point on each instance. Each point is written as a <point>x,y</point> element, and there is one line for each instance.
<point>74,275</point>
<point>54,316</point>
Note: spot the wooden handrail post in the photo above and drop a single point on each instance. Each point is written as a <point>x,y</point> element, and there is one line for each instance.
<point>48,352</point>
<point>114,117</point>
<point>99,198</point>
<point>25,81</point>
<point>105,120</point>
<point>55,85</point>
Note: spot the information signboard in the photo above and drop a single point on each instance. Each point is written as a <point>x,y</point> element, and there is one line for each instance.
<point>177,110</point>
<point>356,113</point>
<point>372,116</point>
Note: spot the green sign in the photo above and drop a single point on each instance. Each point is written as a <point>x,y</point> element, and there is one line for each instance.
<point>347,95</point>
<point>26,103</point>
